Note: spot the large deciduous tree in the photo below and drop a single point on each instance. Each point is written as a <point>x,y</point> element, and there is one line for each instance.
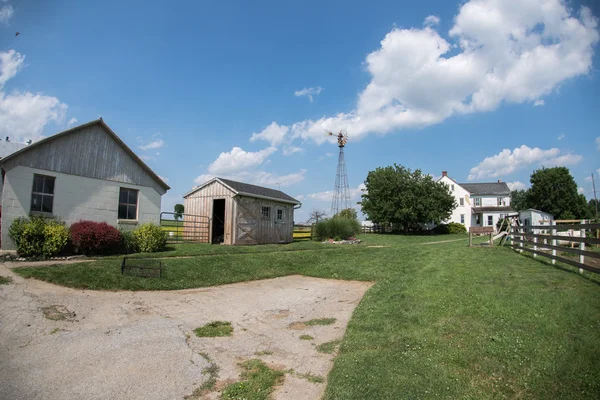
<point>554,190</point>
<point>179,209</point>
<point>404,198</point>
<point>518,200</point>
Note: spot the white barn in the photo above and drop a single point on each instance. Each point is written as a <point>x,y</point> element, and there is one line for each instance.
<point>84,173</point>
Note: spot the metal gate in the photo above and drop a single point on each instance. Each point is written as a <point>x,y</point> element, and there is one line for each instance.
<point>185,227</point>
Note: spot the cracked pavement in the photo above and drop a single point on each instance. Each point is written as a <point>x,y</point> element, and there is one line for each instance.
<point>141,345</point>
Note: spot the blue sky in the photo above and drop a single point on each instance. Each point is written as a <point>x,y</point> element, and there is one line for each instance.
<point>485,89</point>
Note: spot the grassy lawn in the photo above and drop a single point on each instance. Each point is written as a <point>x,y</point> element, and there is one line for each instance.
<point>442,320</point>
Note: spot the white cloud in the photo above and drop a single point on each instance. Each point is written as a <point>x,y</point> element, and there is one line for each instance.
<point>72,121</point>
<point>598,143</point>
<point>355,194</point>
<point>309,92</point>
<point>245,166</point>
<point>431,20</point>
<point>513,51</point>
<point>274,134</point>
<point>164,179</point>
<point>287,151</point>
<point>580,190</point>
<point>155,144</point>
<point>6,14</point>
<point>147,158</point>
<point>508,161</point>
<point>516,185</point>
<point>24,114</point>
<point>561,136</point>
<point>538,103</point>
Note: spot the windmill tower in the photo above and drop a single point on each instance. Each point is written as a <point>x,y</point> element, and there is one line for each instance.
<point>341,192</point>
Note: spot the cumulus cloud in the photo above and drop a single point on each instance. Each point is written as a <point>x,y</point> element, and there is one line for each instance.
<point>309,92</point>
<point>72,121</point>
<point>164,179</point>
<point>155,144</point>
<point>328,195</point>
<point>245,166</point>
<point>507,161</point>
<point>516,185</point>
<point>513,51</point>
<point>598,143</point>
<point>561,136</point>
<point>539,103</point>
<point>24,114</point>
<point>6,13</point>
<point>288,151</point>
<point>580,190</point>
<point>431,20</point>
<point>274,134</point>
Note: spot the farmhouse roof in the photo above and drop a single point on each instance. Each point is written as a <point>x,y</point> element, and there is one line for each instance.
<point>246,189</point>
<point>78,128</point>
<point>495,188</point>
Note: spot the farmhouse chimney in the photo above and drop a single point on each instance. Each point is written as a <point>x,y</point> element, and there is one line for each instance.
<point>444,173</point>
<point>499,180</point>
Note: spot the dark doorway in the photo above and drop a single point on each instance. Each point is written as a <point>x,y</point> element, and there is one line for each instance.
<point>218,221</point>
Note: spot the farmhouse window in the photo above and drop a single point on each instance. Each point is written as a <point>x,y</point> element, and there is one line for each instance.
<point>462,218</point>
<point>501,201</point>
<point>279,215</point>
<point>42,193</point>
<point>266,212</point>
<point>477,201</point>
<point>490,220</point>
<point>128,203</point>
<point>452,186</point>
<point>462,202</point>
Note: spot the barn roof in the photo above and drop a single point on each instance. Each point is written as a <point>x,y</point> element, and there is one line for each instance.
<point>77,129</point>
<point>495,188</point>
<point>246,189</point>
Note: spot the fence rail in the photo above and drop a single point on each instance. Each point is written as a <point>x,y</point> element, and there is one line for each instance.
<point>185,227</point>
<point>524,238</point>
<point>303,232</point>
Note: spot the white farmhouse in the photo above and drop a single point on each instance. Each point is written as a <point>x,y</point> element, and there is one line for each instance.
<point>479,204</point>
<point>84,173</point>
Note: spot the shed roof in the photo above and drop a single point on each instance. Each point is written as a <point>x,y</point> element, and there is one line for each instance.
<point>78,128</point>
<point>495,188</point>
<point>246,189</point>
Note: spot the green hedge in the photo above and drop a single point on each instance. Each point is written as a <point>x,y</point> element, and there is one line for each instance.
<point>452,227</point>
<point>336,228</point>
<point>38,237</point>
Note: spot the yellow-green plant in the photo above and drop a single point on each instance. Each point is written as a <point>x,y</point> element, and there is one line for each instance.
<point>150,238</point>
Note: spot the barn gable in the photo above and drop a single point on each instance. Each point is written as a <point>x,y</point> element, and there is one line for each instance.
<point>91,150</point>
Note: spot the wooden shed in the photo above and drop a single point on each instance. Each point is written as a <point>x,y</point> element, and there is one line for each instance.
<point>238,213</point>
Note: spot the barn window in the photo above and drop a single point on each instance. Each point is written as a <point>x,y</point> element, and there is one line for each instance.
<point>42,193</point>
<point>128,203</point>
<point>279,215</point>
<point>266,212</point>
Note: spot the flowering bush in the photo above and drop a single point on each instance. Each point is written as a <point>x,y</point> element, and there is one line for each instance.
<point>91,237</point>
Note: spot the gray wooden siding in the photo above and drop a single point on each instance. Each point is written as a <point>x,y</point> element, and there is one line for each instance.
<point>200,203</point>
<point>90,152</point>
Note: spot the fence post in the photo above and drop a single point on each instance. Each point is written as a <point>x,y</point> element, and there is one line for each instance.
<point>534,246</point>
<point>311,231</point>
<point>522,237</point>
<point>553,233</point>
<point>582,247</point>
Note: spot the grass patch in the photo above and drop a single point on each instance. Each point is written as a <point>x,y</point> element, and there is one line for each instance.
<point>328,347</point>
<point>257,384</point>
<point>263,353</point>
<point>5,280</point>
<point>214,329</point>
<point>306,337</point>
<point>320,322</point>
<point>312,378</point>
<point>441,321</point>
<point>57,312</point>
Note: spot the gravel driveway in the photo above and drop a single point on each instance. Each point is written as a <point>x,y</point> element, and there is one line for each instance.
<point>61,343</point>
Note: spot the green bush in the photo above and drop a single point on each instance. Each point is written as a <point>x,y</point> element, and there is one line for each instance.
<point>129,244</point>
<point>150,238</point>
<point>42,238</point>
<point>452,227</point>
<point>15,231</point>
<point>337,227</point>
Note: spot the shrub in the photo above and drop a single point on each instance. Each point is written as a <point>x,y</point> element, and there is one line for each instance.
<point>348,213</point>
<point>16,229</point>
<point>337,227</point>
<point>442,229</point>
<point>40,237</point>
<point>128,243</point>
<point>150,238</point>
<point>91,237</point>
<point>455,227</point>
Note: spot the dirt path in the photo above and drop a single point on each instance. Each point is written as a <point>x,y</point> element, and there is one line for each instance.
<point>443,241</point>
<point>140,345</point>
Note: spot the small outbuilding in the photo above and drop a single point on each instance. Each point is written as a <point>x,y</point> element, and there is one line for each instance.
<point>536,218</point>
<point>238,213</point>
<point>84,173</point>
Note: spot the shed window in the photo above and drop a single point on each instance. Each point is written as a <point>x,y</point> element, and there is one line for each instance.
<point>266,212</point>
<point>279,215</point>
<point>42,193</point>
<point>128,203</point>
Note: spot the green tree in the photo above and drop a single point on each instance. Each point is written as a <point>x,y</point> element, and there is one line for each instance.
<point>349,213</point>
<point>554,190</point>
<point>594,208</point>
<point>178,209</point>
<point>518,200</point>
<point>396,195</point>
